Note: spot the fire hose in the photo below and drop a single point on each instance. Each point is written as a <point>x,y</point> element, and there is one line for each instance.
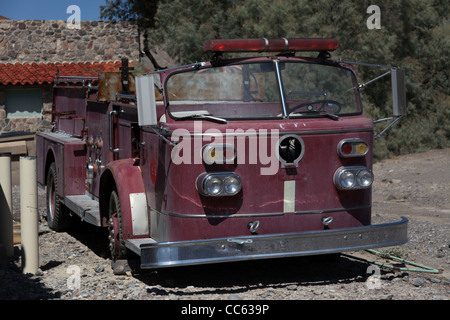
<point>420,267</point>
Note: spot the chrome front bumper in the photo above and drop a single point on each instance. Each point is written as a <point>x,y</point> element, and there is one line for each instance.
<point>180,253</point>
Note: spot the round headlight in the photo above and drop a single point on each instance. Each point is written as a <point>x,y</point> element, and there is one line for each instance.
<point>347,179</point>
<point>365,178</point>
<point>232,185</point>
<point>213,185</point>
<point>352,178</point>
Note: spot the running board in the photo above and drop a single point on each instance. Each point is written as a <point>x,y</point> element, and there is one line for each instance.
<point>85,207</point>
<point>135,244</point>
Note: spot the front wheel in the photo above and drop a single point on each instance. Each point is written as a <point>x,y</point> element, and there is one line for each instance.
<point>116,240</point>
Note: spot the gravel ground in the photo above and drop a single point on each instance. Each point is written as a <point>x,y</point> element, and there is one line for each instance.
<point>75,265</point>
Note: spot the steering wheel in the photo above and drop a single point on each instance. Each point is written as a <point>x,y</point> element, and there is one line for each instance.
<point>335,108</point>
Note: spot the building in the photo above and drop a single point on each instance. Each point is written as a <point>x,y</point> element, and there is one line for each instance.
<point>26,91</point>
<point>33,52</point>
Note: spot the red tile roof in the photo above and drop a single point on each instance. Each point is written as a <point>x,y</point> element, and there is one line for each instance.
<point>45,73</point>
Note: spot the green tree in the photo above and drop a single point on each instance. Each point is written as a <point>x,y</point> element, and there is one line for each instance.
<point>413,35</point>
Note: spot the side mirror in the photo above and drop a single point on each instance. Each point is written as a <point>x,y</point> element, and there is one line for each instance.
<point>398,92</point>
<point>146,102</point>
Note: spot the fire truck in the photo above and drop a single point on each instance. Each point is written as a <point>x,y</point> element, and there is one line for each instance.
<point>262,155</point>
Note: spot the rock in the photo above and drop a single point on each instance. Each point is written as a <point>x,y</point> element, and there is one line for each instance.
<point>391,197</point>
<point>435,280</point>
<point>189,289</point>
<point>121,267</point>
<point>39,272</point>
<point>292,287</point>
<point>418,282</point>
<point>99,268</point>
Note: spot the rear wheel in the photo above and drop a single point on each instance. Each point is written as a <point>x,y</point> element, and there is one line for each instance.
<point>58,217</point>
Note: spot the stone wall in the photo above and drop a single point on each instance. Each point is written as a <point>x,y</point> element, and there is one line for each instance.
<point>51,41</point>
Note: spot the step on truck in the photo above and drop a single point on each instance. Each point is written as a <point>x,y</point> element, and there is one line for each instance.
<point>266,154</point>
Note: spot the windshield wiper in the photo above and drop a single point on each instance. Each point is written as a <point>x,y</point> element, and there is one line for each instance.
<point>202,117</point>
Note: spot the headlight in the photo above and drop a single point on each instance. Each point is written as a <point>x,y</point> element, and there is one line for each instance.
<point>218,184</point>
<point>349,178</point>
<point>212,185</point>
<point>364,178</point>
<point>232,185</point>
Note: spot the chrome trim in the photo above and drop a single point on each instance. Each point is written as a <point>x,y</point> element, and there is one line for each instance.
<point>327,220</point>
<point>181,68</point>
<point>281,88</point>
<point>253,226</point>
<point>334,210</point>
<point>181,253</point>
<point>351,141</point>
<point>365,64</point>
<point>247,215</point>
<point>139,216</point>
<point>90,171</point>
<point>268,133</point>
<point>124,96</point>
<point>286,43</point>
<point>170,143</point>
<point>295,162</point>
<point>266,44</point>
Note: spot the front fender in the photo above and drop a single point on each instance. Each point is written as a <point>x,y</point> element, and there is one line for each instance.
<point>125,177</point>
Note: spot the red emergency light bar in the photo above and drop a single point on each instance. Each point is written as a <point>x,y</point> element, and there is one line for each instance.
<point>270,45</point>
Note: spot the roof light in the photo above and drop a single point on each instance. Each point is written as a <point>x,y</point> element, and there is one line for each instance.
<point>270,45</point>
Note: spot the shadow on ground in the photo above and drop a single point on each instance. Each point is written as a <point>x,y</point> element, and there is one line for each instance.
<point>233,277</point>
<point>14,285</point>
<point>236,277</point>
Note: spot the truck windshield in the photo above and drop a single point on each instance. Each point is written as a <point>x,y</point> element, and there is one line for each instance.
<point>252,91</point>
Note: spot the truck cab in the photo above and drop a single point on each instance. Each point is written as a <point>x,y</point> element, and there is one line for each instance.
<point>251,157</point>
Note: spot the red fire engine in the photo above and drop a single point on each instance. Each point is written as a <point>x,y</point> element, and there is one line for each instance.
<point>231,159</point>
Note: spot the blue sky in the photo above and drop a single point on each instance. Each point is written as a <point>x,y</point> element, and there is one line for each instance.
<point>49,9</point>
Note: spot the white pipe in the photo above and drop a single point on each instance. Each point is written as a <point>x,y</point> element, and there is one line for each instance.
<point>29,215</point>
<point>6,212</point>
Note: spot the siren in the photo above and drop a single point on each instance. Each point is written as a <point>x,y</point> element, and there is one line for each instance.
<point>270,45</point>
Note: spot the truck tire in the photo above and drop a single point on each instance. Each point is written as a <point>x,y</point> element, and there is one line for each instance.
<point>116,240</point>
<point>58,217</point>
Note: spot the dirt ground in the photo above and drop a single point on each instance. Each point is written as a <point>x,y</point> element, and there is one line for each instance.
<point>414,186</point>
<point>417,186</point>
